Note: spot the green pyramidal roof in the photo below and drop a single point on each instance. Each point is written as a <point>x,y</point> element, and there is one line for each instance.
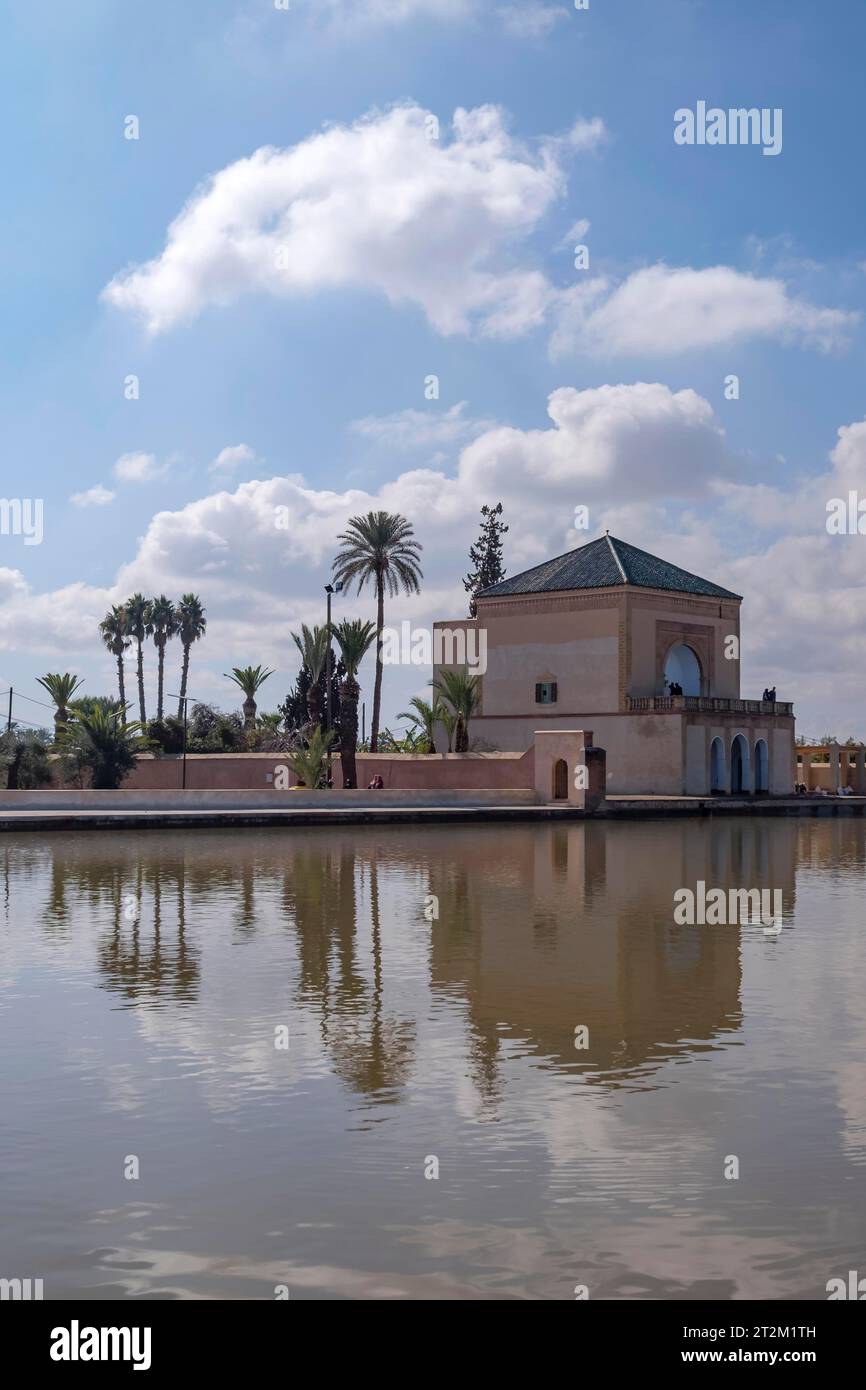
<point>603,564</point>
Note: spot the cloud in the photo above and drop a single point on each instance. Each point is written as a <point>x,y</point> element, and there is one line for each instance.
<point>668,310</point>
<point>379,206</point>
<point>416,429</point>
<point>259,580</point>
<point>530,20</point>
<point>97,496</point>
<point>138,468</point>
<point>651,463</point>
<point>231,457</point>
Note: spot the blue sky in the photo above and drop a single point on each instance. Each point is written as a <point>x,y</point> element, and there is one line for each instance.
<point>409,257</point>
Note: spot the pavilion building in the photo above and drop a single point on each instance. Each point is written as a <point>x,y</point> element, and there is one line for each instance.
<point>594,640</point>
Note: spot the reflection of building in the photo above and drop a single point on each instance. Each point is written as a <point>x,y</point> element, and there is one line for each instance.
<point>574,927</point>
<point>595,639</point>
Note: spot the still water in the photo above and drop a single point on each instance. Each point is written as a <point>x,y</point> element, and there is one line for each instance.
<point>145,980</point>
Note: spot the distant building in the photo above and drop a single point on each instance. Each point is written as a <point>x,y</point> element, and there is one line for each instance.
<point>595,639</point>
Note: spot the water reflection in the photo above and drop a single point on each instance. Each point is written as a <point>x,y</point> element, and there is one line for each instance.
<point>145,974</point>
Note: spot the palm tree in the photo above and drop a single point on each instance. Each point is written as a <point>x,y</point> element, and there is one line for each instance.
<point>379,547</point>
<point>313,647</point>
<point>192,624</point>
<point>463,693</point>
<point>114,634</point>
<point>161,625</point>
<point>353,638</point>
<point>61,689</point>
<point>308,763</point>
<point>425,716</point>
<point>136,626</point>
<point>249,678</point>
<point>93,743</point>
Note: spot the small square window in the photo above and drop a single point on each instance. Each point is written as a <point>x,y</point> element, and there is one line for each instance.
<point>545,693</point>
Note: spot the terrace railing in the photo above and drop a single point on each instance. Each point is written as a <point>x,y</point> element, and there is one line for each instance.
<point>705,704</point>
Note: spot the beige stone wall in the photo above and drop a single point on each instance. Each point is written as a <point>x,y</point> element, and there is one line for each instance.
<point>563,638</point>
<point>657,621</point>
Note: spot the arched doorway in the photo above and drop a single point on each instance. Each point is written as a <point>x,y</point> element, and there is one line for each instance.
<point>717,767</point>
<point>683,668</point>
<point>740,781</point>
<point>560,780</point>
<point>762,766</point>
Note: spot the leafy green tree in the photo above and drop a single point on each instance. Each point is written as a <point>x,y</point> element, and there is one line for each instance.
<point>485,556</point>
<point>353,638</point>
<point>462,693</point>
<point>98,744</point>
<point>24,759</point>
<point>113,631</point>
<point>250,679</point>
<point>313,647</point>
<point>61,689</point>
<point>308,762</point>
<point>379,548</point>
<point>424,715</point>
<point>162,625</point>
<point>136,609</point>
<point>191,626</point>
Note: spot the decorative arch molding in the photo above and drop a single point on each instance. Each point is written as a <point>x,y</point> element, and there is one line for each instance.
<point>700,638</point>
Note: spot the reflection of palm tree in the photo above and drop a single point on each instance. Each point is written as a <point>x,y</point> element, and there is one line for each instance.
<point>376,1060</point>
<point>371,1051</point>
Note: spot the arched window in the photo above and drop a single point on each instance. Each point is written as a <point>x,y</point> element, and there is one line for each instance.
<point>560,780</point>
<point>740,780</point>
<point>762,766</point>
<point>717,766</point>
<point>683,668</point>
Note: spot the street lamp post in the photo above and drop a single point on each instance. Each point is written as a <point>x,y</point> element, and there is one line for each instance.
<point>184,700</point>
<point>330,589</point>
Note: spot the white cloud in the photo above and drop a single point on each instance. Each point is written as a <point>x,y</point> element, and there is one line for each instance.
<point>651,463</point>
<point>379,206</point>
<point>531,20</point>
<point>97,496</point>
<point>416,429</point>
<point>232,457</point>
<point>668,310</point>
<point>138,468</point>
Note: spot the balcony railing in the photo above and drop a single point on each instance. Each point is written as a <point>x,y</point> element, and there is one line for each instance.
<point>705,704</point>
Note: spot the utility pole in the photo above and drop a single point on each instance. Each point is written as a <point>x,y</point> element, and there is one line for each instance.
<point>184,699</point>
<point>9,720</point>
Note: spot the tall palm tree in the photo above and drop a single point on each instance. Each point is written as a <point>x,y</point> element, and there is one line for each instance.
<point>191,625</point>
<point>425,716</point>
<point>136,626</point>
<point>61,688</point>
<point>463,693</point>
<point>379,547</point>
<point>161,625</point>
<point>353,638</point>
<point>313,647</point>
<point>114,634</point>
<point>249,678</point>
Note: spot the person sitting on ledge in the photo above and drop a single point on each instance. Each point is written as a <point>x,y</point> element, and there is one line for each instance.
<point>376,785</point>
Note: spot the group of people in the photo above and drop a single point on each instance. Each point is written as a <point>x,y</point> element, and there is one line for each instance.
<point>769,695</point>
<point>675,688</point>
